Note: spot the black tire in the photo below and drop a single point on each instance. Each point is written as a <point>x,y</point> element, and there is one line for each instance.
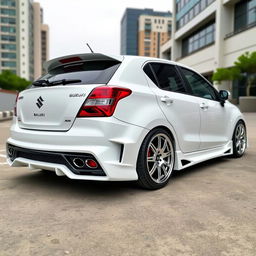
<point>242,138</point>
<point>159,158</point>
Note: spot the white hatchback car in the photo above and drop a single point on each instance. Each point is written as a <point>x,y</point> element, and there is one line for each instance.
<point>116,118</point>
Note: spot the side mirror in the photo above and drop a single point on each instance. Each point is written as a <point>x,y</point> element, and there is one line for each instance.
<point>224,95</point>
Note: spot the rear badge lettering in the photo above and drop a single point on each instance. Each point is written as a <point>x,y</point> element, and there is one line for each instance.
<point>77,95</point>
<point>39,114</point>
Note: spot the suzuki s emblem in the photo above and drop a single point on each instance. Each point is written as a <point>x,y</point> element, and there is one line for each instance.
<point>40,102</point>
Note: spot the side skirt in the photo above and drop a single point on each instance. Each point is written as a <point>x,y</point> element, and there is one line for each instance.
<point>183,161</point>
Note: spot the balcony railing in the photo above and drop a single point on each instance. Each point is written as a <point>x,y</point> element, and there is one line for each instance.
<point>240,30</point>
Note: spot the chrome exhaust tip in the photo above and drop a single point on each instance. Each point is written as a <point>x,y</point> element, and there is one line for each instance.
<point>78,162</point>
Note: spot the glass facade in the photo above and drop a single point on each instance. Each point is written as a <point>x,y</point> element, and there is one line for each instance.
<point>129,29</point>
<point>8,38</point>
<point>11,12</point>
<point>8,55</point>
<point>7,20</point>
<point>11,64</point>
<point>245,14</point>
<point>8,47</point>
<point>198,40</point>
<point>10,3</point>
<point>186,10</point>
<point>8,29</point>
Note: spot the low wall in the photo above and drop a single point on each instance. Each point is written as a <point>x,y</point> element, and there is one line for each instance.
<point>7,100</point>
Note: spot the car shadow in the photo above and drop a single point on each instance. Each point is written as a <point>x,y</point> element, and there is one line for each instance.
<point>48,181</point>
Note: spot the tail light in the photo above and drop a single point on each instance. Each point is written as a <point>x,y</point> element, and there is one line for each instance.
<point>102,101</point>
<point>15,106</point>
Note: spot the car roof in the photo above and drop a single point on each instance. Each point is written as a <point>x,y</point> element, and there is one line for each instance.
<point>53,63</point>
<point>144,59</point>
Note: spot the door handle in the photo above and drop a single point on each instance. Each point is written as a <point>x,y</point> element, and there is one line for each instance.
<point>204,106</point>
<point>167,100</point>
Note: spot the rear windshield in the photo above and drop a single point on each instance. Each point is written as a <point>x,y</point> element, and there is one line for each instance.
<point>90,72</point>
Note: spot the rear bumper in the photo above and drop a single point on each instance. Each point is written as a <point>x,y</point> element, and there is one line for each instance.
<point>114,145</point>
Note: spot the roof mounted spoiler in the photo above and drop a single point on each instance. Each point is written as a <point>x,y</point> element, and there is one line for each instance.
<point>77,58</point>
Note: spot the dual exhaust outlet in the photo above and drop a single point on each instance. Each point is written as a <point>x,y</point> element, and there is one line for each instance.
<point>81,163</point>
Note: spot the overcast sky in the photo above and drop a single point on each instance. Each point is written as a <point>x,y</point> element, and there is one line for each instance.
<point>75,22</point>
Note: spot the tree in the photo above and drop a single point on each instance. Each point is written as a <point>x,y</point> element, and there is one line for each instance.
<point>10,81</point>
<point>226,74</point>
<point>247,64</point>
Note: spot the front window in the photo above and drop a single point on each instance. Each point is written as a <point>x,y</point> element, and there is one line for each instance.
<point>199,86</point>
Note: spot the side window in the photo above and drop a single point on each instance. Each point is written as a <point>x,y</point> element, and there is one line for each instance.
<point>147,69</point>
<point>198,85</point>
<point>167,77</point>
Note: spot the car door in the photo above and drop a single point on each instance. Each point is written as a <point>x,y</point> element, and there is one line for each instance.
<point>214,116</point>
<point>180,109</point>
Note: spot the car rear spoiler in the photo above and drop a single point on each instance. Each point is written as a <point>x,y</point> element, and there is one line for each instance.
<point>76,58</point>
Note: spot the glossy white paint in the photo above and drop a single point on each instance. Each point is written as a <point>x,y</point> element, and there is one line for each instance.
<point>199,133</point>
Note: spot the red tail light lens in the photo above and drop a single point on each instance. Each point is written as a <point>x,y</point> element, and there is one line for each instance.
<point>102,101</point>
<point>15,106</point>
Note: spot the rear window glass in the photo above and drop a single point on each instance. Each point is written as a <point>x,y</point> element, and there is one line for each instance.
<point>90,72</point>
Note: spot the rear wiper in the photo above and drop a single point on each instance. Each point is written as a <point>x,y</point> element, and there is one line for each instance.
<point>65,81</point>
<point>58,82</point>
<point>41,83</point>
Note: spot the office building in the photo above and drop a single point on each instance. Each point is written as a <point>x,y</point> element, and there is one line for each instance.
<point>140,29</point>
<point>23,38</point>
<point>154,31</point>
<point>209,34</point>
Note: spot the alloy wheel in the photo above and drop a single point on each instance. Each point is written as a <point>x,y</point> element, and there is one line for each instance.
<point>160,158</point>
<point>240,138</point>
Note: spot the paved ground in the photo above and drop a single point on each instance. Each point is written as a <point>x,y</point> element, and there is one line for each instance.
<point>206,210</point>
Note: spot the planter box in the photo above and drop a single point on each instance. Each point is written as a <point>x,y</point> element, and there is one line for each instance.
<point>247,104</point>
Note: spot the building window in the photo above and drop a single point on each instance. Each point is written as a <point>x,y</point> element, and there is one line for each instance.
<point>11,64</point>
<point>8,38</point>
<point>8,55</point>
<point>148,26</point>
<point>147,34</point>
<point>7,20</point>
<point>8,3</point>
<point>190,13</point>
<point>8,29</point>
<point>10,12</point>
<point>199,39</point>
<point>8,47</point>
<point>245,14</point>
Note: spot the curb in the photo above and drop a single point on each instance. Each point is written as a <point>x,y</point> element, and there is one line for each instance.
<point>6,115</point>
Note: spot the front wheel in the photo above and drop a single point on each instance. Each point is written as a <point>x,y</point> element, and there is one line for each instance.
<point>156,159</point>
<point>239,140</point>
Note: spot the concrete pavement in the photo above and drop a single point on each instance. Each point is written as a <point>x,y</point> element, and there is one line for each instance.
<point>207,210</point>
